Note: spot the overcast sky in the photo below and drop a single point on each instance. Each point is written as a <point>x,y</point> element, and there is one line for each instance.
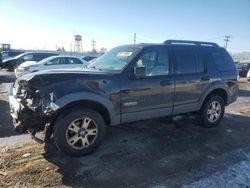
<point>45,24</point>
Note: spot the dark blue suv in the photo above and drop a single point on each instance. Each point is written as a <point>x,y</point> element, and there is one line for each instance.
<point>128,83</point>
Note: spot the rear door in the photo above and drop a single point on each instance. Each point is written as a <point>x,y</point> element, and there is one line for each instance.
<point>191,78</point>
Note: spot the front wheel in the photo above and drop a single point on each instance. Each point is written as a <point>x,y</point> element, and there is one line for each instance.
<point>79,132</point>
<point>212,111</point>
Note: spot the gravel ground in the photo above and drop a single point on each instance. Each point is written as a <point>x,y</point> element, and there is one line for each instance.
<point>156,153</point>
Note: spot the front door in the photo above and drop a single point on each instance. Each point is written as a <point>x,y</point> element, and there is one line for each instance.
<point>151,96</point>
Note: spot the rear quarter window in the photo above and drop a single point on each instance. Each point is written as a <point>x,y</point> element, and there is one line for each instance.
<point>222,60</point>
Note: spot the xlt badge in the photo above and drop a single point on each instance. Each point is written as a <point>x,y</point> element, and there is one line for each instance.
<point>130,103</point>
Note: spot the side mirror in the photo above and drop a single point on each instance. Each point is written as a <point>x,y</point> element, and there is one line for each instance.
<point>140,72</point>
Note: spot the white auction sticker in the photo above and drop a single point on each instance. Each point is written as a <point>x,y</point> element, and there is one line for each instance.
<point>124,54</point>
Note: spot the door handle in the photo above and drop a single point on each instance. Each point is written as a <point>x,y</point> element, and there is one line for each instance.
<point>205,78</point>
<point>165,82</point>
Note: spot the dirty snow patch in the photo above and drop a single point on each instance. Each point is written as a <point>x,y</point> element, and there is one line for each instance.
<point>14,141</point>
<point>237,175</point>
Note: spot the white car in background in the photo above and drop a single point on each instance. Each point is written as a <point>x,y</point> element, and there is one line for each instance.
<point>53,62</point>
<point>248,75</point>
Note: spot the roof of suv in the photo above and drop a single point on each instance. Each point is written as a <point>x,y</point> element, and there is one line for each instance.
<point>177,43</point>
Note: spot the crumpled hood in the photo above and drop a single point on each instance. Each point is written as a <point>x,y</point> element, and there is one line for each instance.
<point>44,78</point>
<point>69,71</point>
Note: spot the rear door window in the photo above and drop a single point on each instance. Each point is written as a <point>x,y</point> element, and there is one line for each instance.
<point>185,60</point>
<point>200,64</point>
<point>55,61</point>
<point>63,61</point>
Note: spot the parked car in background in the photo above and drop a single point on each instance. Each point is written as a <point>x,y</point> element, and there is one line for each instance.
<point>126,84</point>
<point>92,60</point>
<point>53,62</point>
<point>243,68</point>
<point>11,53</point>
<point>13,63</point>
<point>88,58</point>
<point>248,75</point>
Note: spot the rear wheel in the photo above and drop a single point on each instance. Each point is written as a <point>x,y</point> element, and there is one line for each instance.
<point>79,132</point>
<point>212,112</point>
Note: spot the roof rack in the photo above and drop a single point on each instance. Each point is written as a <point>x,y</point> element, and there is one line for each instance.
<point>189,42</point>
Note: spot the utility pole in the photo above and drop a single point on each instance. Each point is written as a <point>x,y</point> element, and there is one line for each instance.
<point>93,44</point>
<point>227,39</point>
<point>70,44</point>
<point>134,38</point>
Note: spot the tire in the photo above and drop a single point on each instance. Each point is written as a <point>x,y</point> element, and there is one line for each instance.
<point>69,128</point>
<point>211,117</point>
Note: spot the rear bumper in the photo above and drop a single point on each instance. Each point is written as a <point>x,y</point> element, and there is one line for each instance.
<point>233,94</point>
<point>23,118</point>
<point>232,99</point>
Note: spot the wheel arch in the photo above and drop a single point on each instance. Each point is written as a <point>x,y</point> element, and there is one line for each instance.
<point>89,100</point>
<point>216,91</point>
<point>89,104</point>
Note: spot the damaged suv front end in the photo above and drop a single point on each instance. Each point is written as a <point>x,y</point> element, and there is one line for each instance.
<point>30,107</point>
<point>38,99</point>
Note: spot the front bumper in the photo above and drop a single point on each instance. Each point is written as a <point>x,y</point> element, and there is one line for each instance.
<point>23,118</point>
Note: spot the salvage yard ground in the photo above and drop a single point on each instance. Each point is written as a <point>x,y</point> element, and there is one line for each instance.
<point>154,153</point>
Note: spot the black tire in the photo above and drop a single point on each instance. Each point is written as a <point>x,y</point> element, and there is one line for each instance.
<point>61,131</point>
<point>203,115</point>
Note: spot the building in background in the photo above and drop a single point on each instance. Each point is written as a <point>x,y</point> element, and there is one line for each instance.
<point>4,47</point>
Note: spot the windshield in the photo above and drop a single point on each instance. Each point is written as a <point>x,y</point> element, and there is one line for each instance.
<point>115,59</point>
<point>21,55</point>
